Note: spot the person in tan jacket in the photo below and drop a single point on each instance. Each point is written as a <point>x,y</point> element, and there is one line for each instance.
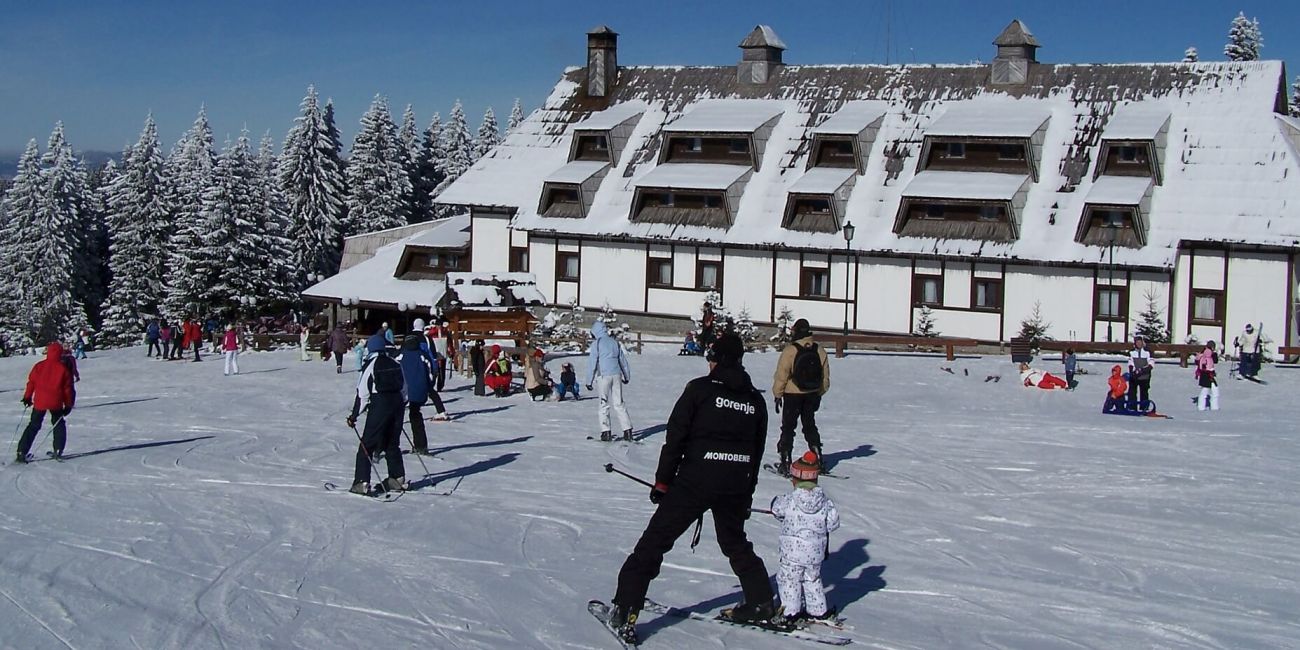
<point>803,375</point>
<point>537,380</point>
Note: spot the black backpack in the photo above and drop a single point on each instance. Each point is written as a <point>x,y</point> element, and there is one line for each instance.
<point>807,371</point>
<point>387,375</point>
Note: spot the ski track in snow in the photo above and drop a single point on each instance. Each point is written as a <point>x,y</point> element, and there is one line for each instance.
<point>190,513</point>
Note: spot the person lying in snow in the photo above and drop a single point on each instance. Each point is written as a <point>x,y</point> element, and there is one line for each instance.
<point>1032,377</point>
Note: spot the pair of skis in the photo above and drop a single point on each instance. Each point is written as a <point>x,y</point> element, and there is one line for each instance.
<point>600,610</point>
<point>771,467</point>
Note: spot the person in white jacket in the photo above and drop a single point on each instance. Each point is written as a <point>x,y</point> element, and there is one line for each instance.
<point>807,518</point>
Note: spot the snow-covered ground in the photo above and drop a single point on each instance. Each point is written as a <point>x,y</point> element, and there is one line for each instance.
<point>976,514</point>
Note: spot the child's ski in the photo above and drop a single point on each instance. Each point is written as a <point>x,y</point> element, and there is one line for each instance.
<point>768,627</point>
<point>771,467</point>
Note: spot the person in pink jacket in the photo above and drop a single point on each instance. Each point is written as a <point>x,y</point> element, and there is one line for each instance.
<point>1205,377</point>
<point>230,345</point>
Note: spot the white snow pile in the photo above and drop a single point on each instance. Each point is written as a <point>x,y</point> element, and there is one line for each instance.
<point>190,513</point>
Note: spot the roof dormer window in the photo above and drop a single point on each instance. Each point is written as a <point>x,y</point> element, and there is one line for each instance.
<point>592,146</point>
<point>724,131</point>
<point>1128,154</point>
<point>739,145</point>
<point>955,150</point>
<point>1011,152</point>
<point>834,152</point>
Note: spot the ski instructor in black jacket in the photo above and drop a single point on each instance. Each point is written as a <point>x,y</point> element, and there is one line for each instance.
<point>709,462</point>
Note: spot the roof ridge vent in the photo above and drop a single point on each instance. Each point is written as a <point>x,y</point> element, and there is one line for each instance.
<point>1017,50</point>
<point>760,55</point>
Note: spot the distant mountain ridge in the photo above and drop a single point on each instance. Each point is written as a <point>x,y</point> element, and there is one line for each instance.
<point>93,158</point>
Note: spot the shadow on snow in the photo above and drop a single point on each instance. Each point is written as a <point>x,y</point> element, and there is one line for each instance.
<point>140,445</point>
<point>460,473</point>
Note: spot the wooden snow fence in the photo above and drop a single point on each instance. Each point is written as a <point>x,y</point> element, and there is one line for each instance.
<point>1182,350</point>
<point>1288,353</point>
<point>949,344</point>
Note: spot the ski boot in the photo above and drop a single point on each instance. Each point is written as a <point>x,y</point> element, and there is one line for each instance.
<point>21,459</point>
<point>606,436</point>
<point>442,417</point>
<point>360,487</point>
<point>821,465</point>
<point>627,436</point>
<point>783,466</point>
<point>752,613</point>
<point>829,617</point>
<point>623,621</point>
<point>396,484</point>
<point>420,451</point>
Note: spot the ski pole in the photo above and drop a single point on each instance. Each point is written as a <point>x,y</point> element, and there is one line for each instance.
<point>53,425</point>
<point>417,456</point>
<point>13,442</point>
<point>609,467</point>
<point>369,459</point>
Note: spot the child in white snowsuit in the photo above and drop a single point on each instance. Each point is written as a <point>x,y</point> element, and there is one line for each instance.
<point>807,517</point>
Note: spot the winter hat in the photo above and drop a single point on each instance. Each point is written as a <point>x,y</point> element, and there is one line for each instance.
<point>727,350</point>
<point>806,468</point>
<point>418,325</point>
<point>801,329</point>
<point>1250,327</point>
<point>230,328</point>
<point>376,342</point>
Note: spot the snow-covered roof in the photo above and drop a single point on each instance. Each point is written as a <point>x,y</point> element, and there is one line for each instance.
<point>372,281</point>
<point>726,116</point>
<point>852,118</point>
<point>1118,190</point>
<point>974,186</point>
<point>611,117</point>
<point>1136,123</point>
<point>481,289</point>
<point>693,176</point>
<point>452,232</point>
<point>994,120</point>
<point>822,180</point>
<point>576,171</point>
<point>1233,178</point>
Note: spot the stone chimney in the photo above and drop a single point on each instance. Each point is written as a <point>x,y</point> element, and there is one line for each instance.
<point>760,56</point>
<point>1017,50</point>
<point>602,61</point>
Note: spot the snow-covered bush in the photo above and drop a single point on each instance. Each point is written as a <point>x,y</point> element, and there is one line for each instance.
<point>563,324</point>
<point>784,321</point>
<point>1034,327</point>
<point>1151,324</point>
<point>925,323</point>
<point>622,332</point>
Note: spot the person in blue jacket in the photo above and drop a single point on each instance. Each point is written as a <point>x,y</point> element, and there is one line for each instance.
<point>608,370</point>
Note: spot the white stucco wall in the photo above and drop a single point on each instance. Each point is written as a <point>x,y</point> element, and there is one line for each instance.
<point>541,263</point>
<point>884,295</point>
<point>747,283</point>
<point>614,274</point>
<point>1064,293</point>
<point>490,242</point>
<point>1257,284</point>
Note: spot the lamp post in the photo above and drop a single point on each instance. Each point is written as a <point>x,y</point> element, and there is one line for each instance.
<point>848,259</point>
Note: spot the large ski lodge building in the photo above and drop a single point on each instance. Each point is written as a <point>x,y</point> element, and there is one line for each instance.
<point>975,190</point>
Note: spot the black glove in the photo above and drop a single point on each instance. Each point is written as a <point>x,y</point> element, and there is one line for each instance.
<point>588,388</point>
<point>657,493</point>
<point>625,381</point>
<point>27,401</point>
<point>777,402</point>
<point>352,421</point>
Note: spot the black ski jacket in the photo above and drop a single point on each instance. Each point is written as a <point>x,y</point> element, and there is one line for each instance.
<point>715,435</point>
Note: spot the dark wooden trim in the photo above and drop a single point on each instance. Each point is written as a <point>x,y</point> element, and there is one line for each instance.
<point>645,291</point>
<point>803,287</point>
<point>1002,315</point>
<point>1290,299</point>
<point>857,286</point>
<point>651,263</point>
<point>1123,304</point>
<point>911,309</point>
<point>1191,282</point>
<point>699,275</point>
<point>560,256</point>
<point>1223,327</point>
<point>917,278</point>
<point>771,314</point>
<point>838,301</point>
<point>1002,294</point>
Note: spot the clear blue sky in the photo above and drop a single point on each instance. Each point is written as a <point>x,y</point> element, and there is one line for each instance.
<point>101,66</point>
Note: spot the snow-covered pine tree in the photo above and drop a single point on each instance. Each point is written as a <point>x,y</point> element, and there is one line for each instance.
<point>66,191</point>
<point>458,145</point>
<point>138,226</point>
<point>925,325</point>
<point>516,116</point>
<point>22,202</point>
<point>1244,39</point>
<point>311,180</point>
<point>745,328</point>
<point>1034,327</point>
<point>784,321</point>
<point>191,266</point>
<point>274,224</point>
<point>410,134</point>
<point>97,183</point>
<point>379,190</point>
<point>621,332</point>
<point>1294,109</point>
<point>489,134</point>
<point>429,172</point>
<point>233,208</point>
<point>1190,55</point>
<point>1151,322</point>
<point>565,325</point>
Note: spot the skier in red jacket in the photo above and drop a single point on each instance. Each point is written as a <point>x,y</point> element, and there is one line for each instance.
<point>49,390</point>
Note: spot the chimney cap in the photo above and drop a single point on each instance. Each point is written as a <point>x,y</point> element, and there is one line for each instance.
<point>1016,34</point>
<point>602,30</point>
<point>763,36</point>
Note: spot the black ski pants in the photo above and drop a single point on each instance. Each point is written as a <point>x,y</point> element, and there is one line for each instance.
<point>419,437</point>
<point>34,427</point>
<point>198,343</point>
<point>1139,397</point>
<point>799,408</point>
<point>383,429</point>
<point>678,510</point>
<point>154,348</point>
